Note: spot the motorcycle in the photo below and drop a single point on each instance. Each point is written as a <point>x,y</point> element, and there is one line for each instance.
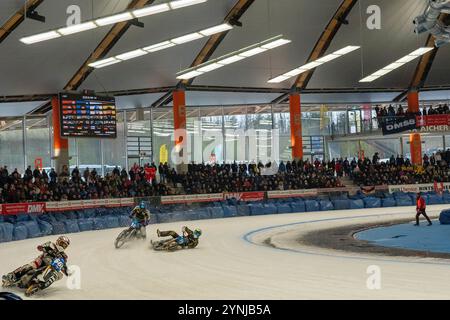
<point>172,244</point>
<point>129,234</point>
<point>39,279</point>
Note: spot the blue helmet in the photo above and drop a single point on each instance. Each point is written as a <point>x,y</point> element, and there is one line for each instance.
<point>142,205</point>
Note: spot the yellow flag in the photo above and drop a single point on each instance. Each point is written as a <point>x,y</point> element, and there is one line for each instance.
<point>163,154</point>
<point>323,116</point>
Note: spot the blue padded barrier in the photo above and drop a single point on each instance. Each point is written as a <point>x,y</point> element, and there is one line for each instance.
<point>125,221</point>
<point>216,212</point>
<point>163,217</point>
<point>6,232</point>
<point>371,202</point>
<point>284,208</point>
<point>99,223</point>
<point>229,211</point>
<point>435,199</point>
<point>298,206</point>
<point>153,218</point>
<point>176,216</point>
<point>256,209</point>
<point>446,197</point>
<point>45,227</point>
<point>86,224</point>
<point>341,204</point>
<point>404,201</point>
<point>58,227</point>
<point>270,208</point>
<point>323,197</point>
<point>89,213</point>
<point>59,216</point>
<point>444,217</point>
<point>112,221</point>
<point>71,226</point>
<point>243,210</point>
<point>71,215</point>
<point>20,232</point>
<point>356,204</point>
<point>204,213</point>
<point>33,230</point>
<point>191,215</point>
<point>326,205</point>
<point>312,205</point>
<point>388,202</point>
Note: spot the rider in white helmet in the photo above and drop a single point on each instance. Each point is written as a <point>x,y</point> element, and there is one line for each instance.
<point>50,251</point>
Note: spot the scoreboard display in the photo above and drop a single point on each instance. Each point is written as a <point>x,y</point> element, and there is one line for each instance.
<point>87,116</point>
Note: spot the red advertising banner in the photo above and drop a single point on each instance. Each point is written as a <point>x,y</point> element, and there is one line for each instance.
<point>433,120</point>
<point>245,196</point>
<point>18,208</point>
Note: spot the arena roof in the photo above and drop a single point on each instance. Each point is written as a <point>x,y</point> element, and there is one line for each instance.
<point>46,68</point>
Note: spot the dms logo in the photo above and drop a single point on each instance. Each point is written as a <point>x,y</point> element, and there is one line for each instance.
<point>35,208</point>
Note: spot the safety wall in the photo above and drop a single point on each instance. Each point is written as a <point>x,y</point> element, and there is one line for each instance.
<point>75,217</point>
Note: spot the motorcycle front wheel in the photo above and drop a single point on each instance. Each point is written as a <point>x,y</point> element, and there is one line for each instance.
<point>124,237</point>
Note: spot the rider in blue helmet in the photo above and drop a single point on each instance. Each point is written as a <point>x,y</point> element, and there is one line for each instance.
<point>141,218</point>
<point>188,238</point>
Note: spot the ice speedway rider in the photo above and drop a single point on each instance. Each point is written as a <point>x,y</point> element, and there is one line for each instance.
<point>50,251</point>
<point>188,238</point>
<point>141,218</point>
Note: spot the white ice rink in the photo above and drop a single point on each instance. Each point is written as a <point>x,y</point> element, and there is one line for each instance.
<point>232,263</point>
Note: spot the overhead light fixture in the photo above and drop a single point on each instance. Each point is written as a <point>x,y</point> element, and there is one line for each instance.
<point>161,46</point>
<point>77,28</point>
<point>114,19</point>
<point>184,3</point>
<point>104,62</point>
<point>397,64</point>
<point>233,57</point>
<point>217,29</point>
<point>147,11</point>
<point>187,38</point>
<point>41,37</point>
<point>313,64</point>
<point>104,21</point>
<point>131,54</point>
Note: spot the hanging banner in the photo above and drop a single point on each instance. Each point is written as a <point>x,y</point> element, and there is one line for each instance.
<point>398,124</point>
<point>245,196</point>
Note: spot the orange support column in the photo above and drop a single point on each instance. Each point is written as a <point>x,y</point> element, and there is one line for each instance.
<point>60,145</point>
<point>179,124</point>
<point>415,141</point>
<point>296,126</point>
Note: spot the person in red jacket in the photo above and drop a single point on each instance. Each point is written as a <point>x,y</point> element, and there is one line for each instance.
<point>420,209</point>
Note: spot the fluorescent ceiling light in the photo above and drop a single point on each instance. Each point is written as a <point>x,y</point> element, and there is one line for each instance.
<point>184,3</point>
<point>314,64</point>
<point>278,79</point>
<point>40,37</point>
<point>187,38</point>
<point>77,28</point>
<point>328,58</point>
<point>147,11</point>
<point>252,52</point>
<point>191,74</point>
<point>159,46</point>
<point>397,64</point>
<point>220,28</point>
<point>276,43</point>
<point>232,57</point>
<point>131,54</point>
<point>114,19</point>
<point>104,62</point>
<point>230,60</point>
<point>119,17</point>
<point>211,67</point>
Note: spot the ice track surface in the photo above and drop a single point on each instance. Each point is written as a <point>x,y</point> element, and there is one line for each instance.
<point>231,262</point>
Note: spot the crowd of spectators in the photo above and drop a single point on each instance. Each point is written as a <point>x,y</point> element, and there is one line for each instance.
<point>142,181</point>
<point>399,170</point>
<point>39,185</point>
<point>398,110</point>
<point>206,178</point>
